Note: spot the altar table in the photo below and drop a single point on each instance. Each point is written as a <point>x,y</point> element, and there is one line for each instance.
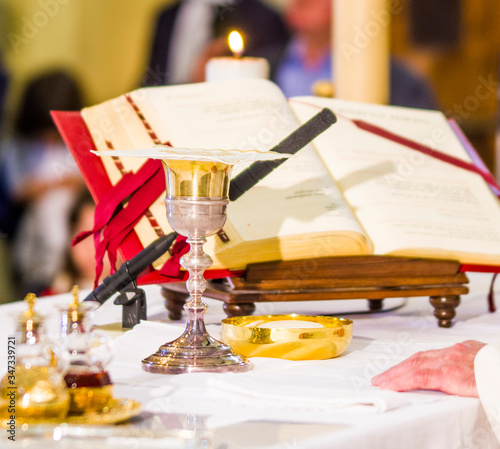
<point>226,411</point>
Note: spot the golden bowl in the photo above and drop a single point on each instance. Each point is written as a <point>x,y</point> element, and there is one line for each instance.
<point>292,337</point>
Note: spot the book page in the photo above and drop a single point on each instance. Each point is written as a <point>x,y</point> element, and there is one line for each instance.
<point>113,125</point>
<point>300,197</point>
<point>409,203</point>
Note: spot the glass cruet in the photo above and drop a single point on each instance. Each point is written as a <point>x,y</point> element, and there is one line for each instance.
<point>34,389</point>
<point>89,352</point>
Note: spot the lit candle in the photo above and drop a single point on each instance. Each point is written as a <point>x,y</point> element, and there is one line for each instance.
<point>236,66</point>
<point>361,50</point>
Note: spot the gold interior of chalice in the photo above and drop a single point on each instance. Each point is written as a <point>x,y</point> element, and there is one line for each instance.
<point>197,179</point>
<point>245,336</point>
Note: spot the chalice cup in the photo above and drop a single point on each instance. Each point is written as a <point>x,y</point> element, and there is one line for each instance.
<point>196,200</point>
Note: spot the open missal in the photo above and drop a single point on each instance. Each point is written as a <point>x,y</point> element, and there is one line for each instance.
<point>351,193</point>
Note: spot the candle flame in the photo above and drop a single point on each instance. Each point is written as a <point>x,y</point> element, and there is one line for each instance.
<point>235,41</point>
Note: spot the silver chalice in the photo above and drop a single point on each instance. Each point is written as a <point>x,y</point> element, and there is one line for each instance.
<point>197,199</point>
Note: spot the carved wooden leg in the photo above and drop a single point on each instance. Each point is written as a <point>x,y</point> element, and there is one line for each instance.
<point>375,304</point>
<point>174,302</point>
<point>238,309</point>
<point>444,308</point>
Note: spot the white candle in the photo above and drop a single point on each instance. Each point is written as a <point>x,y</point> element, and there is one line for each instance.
<point>236,67</point>
<point>225,69</point>
<point>361,50</point>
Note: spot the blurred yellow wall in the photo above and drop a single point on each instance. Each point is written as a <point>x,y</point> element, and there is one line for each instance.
<point>105,43</point>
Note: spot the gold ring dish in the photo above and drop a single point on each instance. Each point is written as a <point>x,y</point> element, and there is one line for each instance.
<point>117,411</point>
<point>291,337</point>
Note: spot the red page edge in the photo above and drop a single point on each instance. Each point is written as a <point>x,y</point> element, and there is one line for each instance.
<point>77,138</point>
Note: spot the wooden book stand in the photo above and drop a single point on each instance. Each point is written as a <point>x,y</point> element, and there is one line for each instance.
<point>352,277</point>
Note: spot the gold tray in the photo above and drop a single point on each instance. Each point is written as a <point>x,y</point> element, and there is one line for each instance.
<point>117,411</point>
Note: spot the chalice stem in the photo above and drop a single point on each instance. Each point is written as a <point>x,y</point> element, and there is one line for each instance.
<point>196,262</point>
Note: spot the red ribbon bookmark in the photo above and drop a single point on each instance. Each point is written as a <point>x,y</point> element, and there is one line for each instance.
<point>377,130</point>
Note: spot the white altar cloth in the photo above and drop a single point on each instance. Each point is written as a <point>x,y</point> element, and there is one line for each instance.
<point>299,405</point>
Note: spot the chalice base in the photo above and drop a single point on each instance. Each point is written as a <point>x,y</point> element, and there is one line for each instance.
<point>203,355</point>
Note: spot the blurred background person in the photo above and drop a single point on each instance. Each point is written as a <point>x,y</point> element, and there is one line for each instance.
<point>79,261</point>
<point>185,27</point>
<point>306,58</point>
<point>8,210</point>
<point>42,178</point>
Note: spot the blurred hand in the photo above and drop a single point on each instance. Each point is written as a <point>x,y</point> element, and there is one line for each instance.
<point>450,370</point>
